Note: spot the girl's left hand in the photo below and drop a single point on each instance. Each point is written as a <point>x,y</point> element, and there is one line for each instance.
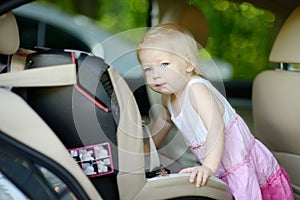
<point>199,174</point>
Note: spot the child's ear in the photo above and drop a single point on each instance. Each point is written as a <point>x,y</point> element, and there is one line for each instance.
<point>189,65</point>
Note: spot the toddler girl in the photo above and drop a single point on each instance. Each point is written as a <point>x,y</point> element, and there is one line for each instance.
<point>215,133</point>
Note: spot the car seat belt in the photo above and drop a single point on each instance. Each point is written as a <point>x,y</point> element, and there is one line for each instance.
<point>18,63</point>
<point>47,76</point>
<point>18,76</point>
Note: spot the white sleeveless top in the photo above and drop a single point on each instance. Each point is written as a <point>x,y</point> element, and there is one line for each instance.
<point>188,121</point>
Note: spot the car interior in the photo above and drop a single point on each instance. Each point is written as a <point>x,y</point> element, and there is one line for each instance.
<point>32,102</point>
<point>130,149</point>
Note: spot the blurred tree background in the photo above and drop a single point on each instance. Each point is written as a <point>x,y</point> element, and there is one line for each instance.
<point>240,34</point>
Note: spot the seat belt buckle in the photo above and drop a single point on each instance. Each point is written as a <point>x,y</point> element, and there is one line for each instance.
<point>162,171</point>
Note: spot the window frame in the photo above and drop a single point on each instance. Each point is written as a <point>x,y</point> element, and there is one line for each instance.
<point>10,146</point>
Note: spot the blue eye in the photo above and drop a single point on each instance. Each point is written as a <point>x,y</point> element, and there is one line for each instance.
<point>148,69</point>
<point>165,64</point>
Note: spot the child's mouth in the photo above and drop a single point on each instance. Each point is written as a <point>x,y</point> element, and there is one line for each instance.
<point>159,84</point>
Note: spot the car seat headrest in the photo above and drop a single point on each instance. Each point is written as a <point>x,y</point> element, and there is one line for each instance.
<point>9,34</point>
<point>285,48</point>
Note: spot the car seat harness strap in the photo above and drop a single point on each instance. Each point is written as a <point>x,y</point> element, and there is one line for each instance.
<point>19,76</point>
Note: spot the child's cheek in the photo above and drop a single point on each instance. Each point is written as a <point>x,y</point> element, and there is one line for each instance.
<point>149,80</point>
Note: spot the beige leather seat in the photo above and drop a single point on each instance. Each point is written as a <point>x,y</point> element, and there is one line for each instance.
<point>9,34</point>
<point>276,102</point>
<point>20,122</point>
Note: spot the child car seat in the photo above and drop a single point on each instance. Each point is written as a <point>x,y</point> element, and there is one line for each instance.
<point>86,102</point>
<point>81,113</point>
<point>20,124</point>
<point>100,108</point>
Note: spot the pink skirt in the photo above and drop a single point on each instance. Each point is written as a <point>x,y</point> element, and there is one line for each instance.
<point>258,175</point>
<point>248,168</point>
<point>245,182</point>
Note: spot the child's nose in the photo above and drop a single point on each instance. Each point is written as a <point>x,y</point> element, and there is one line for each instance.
<point>156,73</point>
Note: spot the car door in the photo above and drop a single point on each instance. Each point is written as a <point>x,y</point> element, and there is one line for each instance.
<point>27,174</point>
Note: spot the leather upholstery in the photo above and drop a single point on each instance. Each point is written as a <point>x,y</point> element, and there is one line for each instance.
<point>276,114</point>
<point>9,34</point>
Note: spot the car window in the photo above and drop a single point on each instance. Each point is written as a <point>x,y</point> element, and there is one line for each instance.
<point>22,179</point>
<point>57,184</point>
<point>28,30</point>
<point>59,39</point>
<point>9,191</point>
<point>25,177</point>
<point>31,175</point>
<point>240,34</point>
<point>35,33</point>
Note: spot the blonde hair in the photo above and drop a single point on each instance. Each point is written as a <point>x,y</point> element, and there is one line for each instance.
<point>172,38</point>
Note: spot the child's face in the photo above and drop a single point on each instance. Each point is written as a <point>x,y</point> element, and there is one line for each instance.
<point>165,72</point>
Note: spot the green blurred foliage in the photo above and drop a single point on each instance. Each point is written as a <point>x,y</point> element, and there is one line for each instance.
<point>113,15</point>
<point>239,33</point>
<point>121,15</point>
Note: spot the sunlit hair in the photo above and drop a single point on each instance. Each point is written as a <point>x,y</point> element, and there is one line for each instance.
<point>174,39</point>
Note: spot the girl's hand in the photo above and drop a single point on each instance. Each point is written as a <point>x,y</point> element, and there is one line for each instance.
<point>199,174</point>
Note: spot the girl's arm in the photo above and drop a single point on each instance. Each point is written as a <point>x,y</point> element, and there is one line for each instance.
<point>211,112</point>
<point>161,126</point>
